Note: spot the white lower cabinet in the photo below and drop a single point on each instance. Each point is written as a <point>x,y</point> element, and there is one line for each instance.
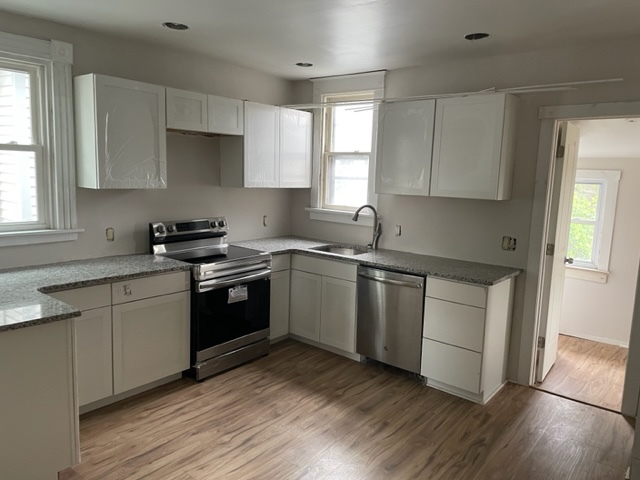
<point>150,340</point>
<point>94,364</point>
<point>465,341</point>
<point>279,304</point>
<point>323,301</point>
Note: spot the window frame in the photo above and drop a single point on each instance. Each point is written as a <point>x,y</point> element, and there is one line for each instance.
<point>328,153</point>
<point>327,86</point>
<point>53,60</point>
<point>604,224</point>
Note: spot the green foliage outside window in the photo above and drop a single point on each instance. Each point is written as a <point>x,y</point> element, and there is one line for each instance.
<point>584,215</point>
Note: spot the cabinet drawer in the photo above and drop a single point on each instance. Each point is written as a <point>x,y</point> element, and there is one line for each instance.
<point>280,262</point>
<point>453,323</point>
<point>156,285</point>
<point>86,298</point>
<point>457,292</point>
<point>328,268</point>
<point>451,365</point>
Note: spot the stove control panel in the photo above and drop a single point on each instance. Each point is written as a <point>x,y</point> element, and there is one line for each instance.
<point>216,226</point>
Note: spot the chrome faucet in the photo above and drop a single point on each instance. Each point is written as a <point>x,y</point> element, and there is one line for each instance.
<point>377,227</point>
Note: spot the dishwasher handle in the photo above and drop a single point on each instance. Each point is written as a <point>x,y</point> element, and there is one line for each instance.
<point>390,281</point>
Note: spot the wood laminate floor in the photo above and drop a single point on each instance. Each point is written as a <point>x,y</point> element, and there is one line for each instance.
<point>588,371</point>
<point>304,413</point>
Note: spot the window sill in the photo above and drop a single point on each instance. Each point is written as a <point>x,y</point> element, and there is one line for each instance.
<point>339,216</point>
<point>588,274</point>
<point>38,236</point>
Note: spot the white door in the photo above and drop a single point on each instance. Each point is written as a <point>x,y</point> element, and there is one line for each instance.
<point>186,110</point>
<point>261,153</point>
<point>306,298</point>
<point>279,308</point>
<point>226,115</point>
<point>338,317</point>
<point>295,148</point>
<point>558,217</point>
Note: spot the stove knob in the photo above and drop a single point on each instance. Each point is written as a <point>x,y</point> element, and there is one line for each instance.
<point>160,229</point>
<point>222,223</point>
<point>171,228</point>
<point>213,224</point>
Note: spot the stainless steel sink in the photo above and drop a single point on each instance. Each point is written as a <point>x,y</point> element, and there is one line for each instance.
<point>348,250</point>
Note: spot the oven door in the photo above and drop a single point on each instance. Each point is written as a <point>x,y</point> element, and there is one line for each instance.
<point>229,314</point>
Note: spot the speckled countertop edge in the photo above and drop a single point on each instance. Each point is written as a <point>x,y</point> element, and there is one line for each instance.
<point>404,262</point>
<point>23,293</point>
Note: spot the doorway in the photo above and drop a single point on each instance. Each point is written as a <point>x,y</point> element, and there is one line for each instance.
<point>584,338</point>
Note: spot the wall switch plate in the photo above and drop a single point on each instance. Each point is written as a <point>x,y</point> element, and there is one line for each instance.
<point>398,230</point>
<point>111,234</point>
<point>508,243</point>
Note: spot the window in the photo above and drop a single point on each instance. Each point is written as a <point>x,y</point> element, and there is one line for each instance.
<point>346,152</point>
<point>592,218</point>
<point>37,184</point>
<point>344,141</point>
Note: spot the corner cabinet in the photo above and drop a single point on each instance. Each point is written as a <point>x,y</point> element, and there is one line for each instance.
<point>405,140</point>
<point>120,133</point>
<point>275,151</point>
<point>473,147</point>
<point>323,302</point>
<point>465,341</point>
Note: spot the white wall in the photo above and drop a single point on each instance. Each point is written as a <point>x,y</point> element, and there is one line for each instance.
<point>603,311</point>
<point>472,230</point>
<point>193,162</point>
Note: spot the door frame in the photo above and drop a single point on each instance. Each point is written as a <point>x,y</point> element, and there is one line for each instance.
<point>550,118</point>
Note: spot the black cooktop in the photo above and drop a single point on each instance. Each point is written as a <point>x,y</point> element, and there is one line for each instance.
<point>233,253</point>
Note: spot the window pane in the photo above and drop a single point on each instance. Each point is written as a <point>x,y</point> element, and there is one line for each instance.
<point>586,197</point>
<point>581,242</point>
<point>351,129</point>
<point>346,183</point>
<point>18,192</point>
<point>15,107</point>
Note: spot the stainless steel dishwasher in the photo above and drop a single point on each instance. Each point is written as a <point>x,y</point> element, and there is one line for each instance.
<point>389,325</point>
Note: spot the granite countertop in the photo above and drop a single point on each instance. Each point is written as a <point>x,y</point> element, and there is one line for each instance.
<point>427,265</point>
<point>23,296</point>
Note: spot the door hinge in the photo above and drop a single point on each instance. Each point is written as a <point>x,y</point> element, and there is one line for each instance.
<point>541,342</point>
<point>551,249</point>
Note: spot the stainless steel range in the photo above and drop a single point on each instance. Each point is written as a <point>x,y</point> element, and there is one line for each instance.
<point>230,290</point>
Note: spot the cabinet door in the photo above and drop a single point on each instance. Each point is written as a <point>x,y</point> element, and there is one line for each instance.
<point>186,110</point>
<point>131,129</point>
<point>405,139</point>
<point>338,318</point>
<point>226,115</point>
<point>451,365</point>
<point>279,308</point>
<point>295,148</point>
<point>467,146</point>
<point>306,299</point>
<point>261,165</point>
<point>94,371</point>
<point>150,340</point>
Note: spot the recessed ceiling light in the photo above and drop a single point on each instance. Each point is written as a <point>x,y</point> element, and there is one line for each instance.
<point>476,36</point>
<point>304,64</point>
<point>175,26</point>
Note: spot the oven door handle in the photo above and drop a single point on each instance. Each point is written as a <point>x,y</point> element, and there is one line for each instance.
<point>209,285</point>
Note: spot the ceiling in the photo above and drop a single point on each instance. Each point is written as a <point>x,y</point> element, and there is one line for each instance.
<point>345,36</point>
<point>609,138</point>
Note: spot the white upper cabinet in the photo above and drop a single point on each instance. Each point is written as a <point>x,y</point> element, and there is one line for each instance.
<point>186,110</point>
<point>405,139</point>
<point>261,159</point>
<point>274,152</point>
<point>226,115</point>
<point>295,148</point>
<point>473,147</point>
<point>120,133</point>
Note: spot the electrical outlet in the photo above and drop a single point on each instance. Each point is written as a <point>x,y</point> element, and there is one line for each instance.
<point>508,243</point>
<point>264,220</point>
<point>110,233</point>
<point>398,230</point>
